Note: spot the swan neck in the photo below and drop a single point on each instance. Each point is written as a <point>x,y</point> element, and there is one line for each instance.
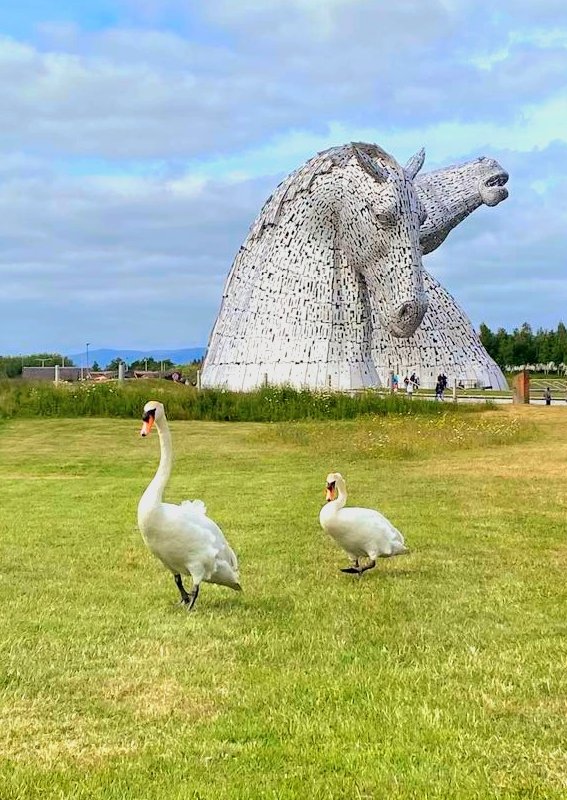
<point>341,499</point>
<point>160,479</point>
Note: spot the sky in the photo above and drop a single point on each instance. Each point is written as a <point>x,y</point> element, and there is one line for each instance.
<point>140,138</point>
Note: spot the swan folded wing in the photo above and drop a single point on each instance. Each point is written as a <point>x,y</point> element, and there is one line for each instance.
<point>385,522</point>
<point>195,512</point>
<point>224,551</point>
<point>225,569</point>
<point>365,529</point>
<point>185,541</point>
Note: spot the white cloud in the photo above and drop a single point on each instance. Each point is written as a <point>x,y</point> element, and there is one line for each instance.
<point>116,255</point>
<point>135,158</point>
<point>144,93</point>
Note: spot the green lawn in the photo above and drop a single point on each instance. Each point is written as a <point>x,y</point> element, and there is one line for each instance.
<point>439,675</point>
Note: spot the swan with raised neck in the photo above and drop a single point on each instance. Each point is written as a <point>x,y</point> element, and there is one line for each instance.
<point>182,536</point>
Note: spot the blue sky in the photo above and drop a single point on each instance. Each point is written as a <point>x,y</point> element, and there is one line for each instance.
<point>140,138</point>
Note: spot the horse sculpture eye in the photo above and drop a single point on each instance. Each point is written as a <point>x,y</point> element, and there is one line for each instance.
<point>386,218</point>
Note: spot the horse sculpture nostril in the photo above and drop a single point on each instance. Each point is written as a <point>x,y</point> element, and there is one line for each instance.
<point>407,317</point>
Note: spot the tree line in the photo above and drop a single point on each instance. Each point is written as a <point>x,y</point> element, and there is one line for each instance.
<point>12,366</point>
<point>508,349</point>
<point>523,346</point>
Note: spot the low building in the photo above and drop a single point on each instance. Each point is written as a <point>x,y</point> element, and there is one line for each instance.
<point>48,373</point>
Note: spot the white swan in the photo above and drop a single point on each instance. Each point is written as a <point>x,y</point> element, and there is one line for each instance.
<point>182,536</point>
<point>361,532</point>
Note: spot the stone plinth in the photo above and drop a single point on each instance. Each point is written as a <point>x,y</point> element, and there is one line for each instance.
<point>521,388</point>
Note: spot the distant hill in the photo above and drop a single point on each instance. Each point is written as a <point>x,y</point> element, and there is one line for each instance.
<point>104,356</point>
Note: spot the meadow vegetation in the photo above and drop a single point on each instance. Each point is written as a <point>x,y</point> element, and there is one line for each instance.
<point>269,404</point>
<point>403,436</point>
<point>439,675</point>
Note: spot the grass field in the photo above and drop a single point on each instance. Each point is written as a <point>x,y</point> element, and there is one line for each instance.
<point>439,675</point>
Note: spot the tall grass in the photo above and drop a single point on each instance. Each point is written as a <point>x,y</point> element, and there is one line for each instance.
<point>269,404</point>
<point>399,437</point>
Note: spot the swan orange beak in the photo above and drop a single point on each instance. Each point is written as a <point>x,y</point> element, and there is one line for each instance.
<point>147,426</point>
<point>331,492</point>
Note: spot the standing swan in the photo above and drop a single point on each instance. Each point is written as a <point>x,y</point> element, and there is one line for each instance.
<point>182,536</point>
<point>361,532</point>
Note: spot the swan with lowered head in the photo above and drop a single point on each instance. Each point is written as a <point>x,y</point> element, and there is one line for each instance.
<point>361,532</point>
<point>182,536</point>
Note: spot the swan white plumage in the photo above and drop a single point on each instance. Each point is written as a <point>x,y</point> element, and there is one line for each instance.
<point>361,532</point>
<point>182,536</point>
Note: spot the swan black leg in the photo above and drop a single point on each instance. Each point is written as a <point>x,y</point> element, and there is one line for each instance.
<point>185,597</point>
<point>354,569</point>
<point>188,599</point>
<point>371,564</point>
<point>192,598</point>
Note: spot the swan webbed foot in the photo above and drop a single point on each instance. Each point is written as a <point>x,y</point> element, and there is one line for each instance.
<point>354,569</point>
<point>191,598</point>
<point>358,570</point>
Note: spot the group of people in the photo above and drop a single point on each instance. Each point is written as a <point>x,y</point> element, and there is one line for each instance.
<point>440,386</point>
<point>411,383</point>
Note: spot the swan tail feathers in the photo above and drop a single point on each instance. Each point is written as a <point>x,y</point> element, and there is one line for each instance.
<point>195,505</point>
<point>400,550</point>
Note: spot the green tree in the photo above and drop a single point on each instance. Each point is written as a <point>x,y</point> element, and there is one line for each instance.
<point>523,346</point>
<point>560,345</point>
<point>151,364</point>
<point>113,365</point>
<point>489,341</point>
<point>544,346</point>
<point>503,348</point>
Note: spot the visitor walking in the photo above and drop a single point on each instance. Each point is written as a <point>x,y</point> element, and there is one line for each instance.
<point>409,388</point>
<point>439,389</point>
<point>547,396</point>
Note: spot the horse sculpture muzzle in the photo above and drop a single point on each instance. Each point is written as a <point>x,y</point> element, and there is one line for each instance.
<point>406,318</point>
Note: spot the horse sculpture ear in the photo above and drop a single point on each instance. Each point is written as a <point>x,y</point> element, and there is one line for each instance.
<point>415,164</point>
<point>369,164</point>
